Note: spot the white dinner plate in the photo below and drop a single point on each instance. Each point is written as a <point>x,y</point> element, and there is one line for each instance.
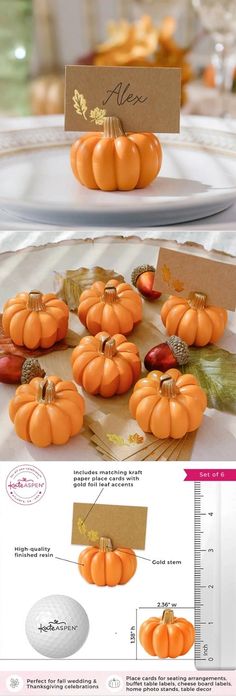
<point>198,178</point>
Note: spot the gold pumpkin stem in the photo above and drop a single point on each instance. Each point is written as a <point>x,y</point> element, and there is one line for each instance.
<point>105,544</point>
<point>46,392</point>
<point>113,127</point>
<point>110,294</point>
<point>197,300</point>
<point>107,346</point>
<point>168,616</point>
<point>110,348</point>
<point>35,301</point>
<point>168,386</point>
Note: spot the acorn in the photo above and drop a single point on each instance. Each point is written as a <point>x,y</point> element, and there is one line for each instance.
<point>15,369</point>
<point>173,353</point>
<point>143,278</point>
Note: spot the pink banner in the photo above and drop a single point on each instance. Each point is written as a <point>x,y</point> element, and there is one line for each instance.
<point>88,683</point>
<point>210,474</point>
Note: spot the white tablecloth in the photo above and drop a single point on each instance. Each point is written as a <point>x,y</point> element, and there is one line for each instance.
<point>216,439</point>
<point>216,232</point>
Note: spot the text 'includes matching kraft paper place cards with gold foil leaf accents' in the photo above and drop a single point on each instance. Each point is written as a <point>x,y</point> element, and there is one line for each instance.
<point>124,525</point>
<point>144,99</point>
<point>183,274</point>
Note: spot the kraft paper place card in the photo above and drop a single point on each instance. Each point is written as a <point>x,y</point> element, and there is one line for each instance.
<point>124,525</point>
<point>181,274</point>
<point>143,98</point>
<point>121,438</point>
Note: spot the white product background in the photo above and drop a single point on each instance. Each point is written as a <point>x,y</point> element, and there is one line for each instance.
<point>111,611</point>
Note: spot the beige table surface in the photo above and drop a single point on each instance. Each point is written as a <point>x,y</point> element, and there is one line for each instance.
<point>33,268</point>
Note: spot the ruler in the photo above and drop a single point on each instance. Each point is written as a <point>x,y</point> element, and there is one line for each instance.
<point>215,574</point>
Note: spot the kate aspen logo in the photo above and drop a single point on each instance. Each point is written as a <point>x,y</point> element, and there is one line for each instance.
<point>57,626</point>
<point>26,485</point>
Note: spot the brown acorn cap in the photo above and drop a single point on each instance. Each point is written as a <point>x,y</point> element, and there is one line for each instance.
<point>31,368</point>
<point>138,272</point>
<point>179,349</point>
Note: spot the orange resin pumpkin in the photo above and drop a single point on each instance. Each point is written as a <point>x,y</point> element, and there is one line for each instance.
<point>113,307</point>
<point>193,320</point>
<point>168,404</point>
<point>47,412</point>
<point>114,161</point>
<point>104,566</point>
<point>34,320</point>
<point>167,636</point>
<point>106,365</point>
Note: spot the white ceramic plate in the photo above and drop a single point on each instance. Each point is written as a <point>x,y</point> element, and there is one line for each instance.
<point>198,179</point>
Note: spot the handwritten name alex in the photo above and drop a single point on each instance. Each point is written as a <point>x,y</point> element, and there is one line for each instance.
<point>123,95</point>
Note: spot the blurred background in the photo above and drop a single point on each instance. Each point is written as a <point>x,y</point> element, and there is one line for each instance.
<point>38,37</point>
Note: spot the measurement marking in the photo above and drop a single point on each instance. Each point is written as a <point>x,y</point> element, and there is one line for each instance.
<point>163,607</point>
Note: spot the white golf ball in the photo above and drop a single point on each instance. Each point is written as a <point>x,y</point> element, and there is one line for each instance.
<point>57,626</point>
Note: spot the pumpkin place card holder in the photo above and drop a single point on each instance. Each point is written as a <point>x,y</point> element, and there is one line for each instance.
<point>202,282</point>
<point>122,108</point>
<point>109,533</point>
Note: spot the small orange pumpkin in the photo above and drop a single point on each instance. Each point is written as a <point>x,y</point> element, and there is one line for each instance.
<point>193,320</point>
<point>168,404</point>
<point>113,307</point>
<point>167,636</point>
<point>47,412</point>
<point>34,320</point>
<point>114,161</point>
<point>106,365</point>
<point>104,566</point>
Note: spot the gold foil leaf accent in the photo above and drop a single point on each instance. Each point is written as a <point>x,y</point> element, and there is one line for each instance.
<point>81,526</point>
<point>116,439</point>
<point>177,285</point>
<point>80,104</point>
<point>173,283</point>
<point>166,274</point>
<point>97,116</point>
<point>93,535</point>
<point>135,439</point>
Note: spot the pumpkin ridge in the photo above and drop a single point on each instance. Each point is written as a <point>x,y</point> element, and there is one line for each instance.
<point>19,411</point>
<point>117,158</point>
<point>147,398</point>
<point>99,359</point>
<point>210,318</point>
<point>34,328</point>
<point>77,413</point>
<point>51,409</point>
<point>120,309</point>
<point>90,318</point>
<point>40,407</point>
<point>99,556</point>
<point>14,326</point>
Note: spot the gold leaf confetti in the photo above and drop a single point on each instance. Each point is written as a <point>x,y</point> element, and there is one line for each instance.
<point>80,104</point>
<point>97,116</point>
